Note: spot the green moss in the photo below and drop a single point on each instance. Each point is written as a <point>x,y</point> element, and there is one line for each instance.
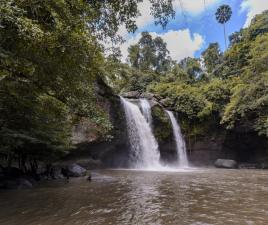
<point>161,124</point>
<point>199,128</point>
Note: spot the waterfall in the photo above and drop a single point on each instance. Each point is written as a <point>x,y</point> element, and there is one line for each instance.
<point>146,110</point>
<point>144,147</point>
<point>180,143</point>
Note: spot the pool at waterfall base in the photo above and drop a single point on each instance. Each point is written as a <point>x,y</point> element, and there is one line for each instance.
<point>126,197</point>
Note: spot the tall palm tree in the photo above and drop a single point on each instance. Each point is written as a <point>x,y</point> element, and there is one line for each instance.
<point>223,14</point>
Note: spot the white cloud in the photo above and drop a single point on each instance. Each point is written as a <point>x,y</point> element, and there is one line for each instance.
<point>253,7</point>
<point>179,43</point>
<point>194,7</point>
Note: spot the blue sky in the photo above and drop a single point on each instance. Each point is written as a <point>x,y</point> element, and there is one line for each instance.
<point>194,26</point>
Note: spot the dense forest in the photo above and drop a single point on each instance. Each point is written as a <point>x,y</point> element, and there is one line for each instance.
<point>52,56</point>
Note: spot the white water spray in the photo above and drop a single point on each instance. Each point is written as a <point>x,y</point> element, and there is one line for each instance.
<point>146,110</point>
<point>180,143</point>
<point>144,147</point>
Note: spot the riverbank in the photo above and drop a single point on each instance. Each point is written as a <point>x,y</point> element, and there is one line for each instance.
<point>15,178</point>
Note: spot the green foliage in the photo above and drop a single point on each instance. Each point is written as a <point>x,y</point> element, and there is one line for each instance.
<point>218,93</point>
<point>191,104</point>
<point>212,57</point>
<point>233,91</point>
<point>50,64</point>
<point>191,67</point>
<point>258,26</point>
<point>51,61</point>
<point>249,102</point>
<point>149,54</point>
<point>223,14</point>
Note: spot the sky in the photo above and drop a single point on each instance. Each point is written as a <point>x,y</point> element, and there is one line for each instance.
<point>194,25</point>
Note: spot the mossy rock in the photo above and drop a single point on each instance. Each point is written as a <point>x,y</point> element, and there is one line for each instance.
<point>161,124</point>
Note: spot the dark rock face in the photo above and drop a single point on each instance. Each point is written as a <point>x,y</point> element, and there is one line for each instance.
<point>204,150</point>
<point>162,129</point>
<point>245,148</point>
<point>226,163</point>
<point>112,152</point>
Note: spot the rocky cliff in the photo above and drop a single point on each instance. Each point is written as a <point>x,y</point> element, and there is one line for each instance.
<point>203,147</point>
<point>113,149</point>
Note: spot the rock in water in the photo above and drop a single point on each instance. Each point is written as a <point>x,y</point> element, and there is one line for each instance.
<point>75,170</point>
<point>226,163</point>
<point>19,183</point>
<point>131,94</point>
<point>23,183</point>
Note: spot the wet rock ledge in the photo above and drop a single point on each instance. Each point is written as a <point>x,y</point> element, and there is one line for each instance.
<point>14,178</point>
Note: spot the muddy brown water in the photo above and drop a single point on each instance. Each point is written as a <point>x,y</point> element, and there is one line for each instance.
<point>125,197</point>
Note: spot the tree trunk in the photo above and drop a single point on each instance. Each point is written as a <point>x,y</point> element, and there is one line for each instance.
<point>224,36</point>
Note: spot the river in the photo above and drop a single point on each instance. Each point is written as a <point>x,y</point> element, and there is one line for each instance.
<point>125,197</point>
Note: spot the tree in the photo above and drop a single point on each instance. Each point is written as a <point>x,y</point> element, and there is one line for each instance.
<point>212,57</point>
<point>162,59</point>
<point>192,67</point>
<point>106,16</point>
<point>149,54</point>
<point>223,14</point>
<point>147,51</point>
<point>134,56</point>
<point>236,37</point>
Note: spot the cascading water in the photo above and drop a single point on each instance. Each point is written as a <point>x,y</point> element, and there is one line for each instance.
<point>146,110</point>
<point>144,147</point>
<point>180,143</point>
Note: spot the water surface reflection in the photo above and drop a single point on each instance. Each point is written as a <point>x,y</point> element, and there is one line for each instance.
<point>199,197</point>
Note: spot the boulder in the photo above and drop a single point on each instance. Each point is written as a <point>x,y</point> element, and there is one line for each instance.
<point>24,183</point>
<point>20,183</point>
<point>75,170</point>
<point>131,94</point>
<point>149,96</point>
<point>225,163</point>
<point>165,102</point>
<point>57,173</point>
